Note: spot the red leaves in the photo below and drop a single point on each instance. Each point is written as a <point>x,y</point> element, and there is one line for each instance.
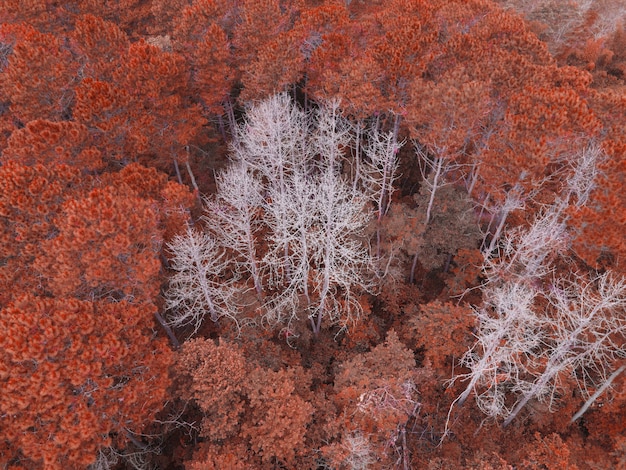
<point>48,142</point>
<point>111,254</point>
<point>66,392</point>
<point>260,405</point>
<point>100,44</point>
<point>266,53</point>
<point>214,77</point>
<point>60,237</point>
<point>37,81</point>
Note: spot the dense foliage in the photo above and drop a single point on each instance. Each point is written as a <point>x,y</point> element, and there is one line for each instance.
<point>312,234</point>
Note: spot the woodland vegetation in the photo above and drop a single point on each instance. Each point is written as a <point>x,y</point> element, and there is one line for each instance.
<point>312,234</point>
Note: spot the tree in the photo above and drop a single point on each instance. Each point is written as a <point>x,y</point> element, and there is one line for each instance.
<point>31,199</point>
<point>376,396</point>
<point>198,285</point>
<point>141,111</point>
<point>443,331</point>
<point>39,77</point>
<point>380,172</point>
<point>537,327</point>
<point>596,225</point>
<point>587,338</point>
<point>267,55</point>
<point>235,219</point>
<point>314,217</point>
<point>279,417</point>
<point>214,376</point>
<point>77,376</point>
<point>49,143</point>
<point>107,245</point>
<point>99,44</point>
<point>244,401</point>
<point>290,216</point>
<point>203,33</point>
<point>338,59</point>
<point>339,260</point>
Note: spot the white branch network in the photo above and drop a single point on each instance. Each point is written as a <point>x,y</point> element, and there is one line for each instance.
<point>198,286</point>
<point>537,330</point>
<point>285,217</point>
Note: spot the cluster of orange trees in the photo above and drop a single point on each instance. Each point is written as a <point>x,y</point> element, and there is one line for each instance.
<point>113,115</point>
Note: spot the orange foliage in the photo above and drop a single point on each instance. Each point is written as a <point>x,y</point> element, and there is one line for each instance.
<point>213,77</point>
<point>547,452</point>
<point>107,245</point>
<point>267,55</point>
<point>218,456</point>
<point>171,201</point>
<point>444,331</point>
<point>339,60</point>
<point>48,143</point>
<point>74,372</point>
<point>598,226</point>
<point>38,78</point>
<point>161,120</point>
<point>31,199</point>
<point>277,422</point>
<point>62,235</point>
<point>82,222</point>
<point>201,37</point>
<point>99,44</point>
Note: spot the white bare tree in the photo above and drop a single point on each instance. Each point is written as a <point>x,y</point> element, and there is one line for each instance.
<point>341,261</point>
<point>234,216</point>
<point>379,172</point>
<point>331,134</point>
<point>290,216</point>
<point>508,326</point>
<point>285,184</point>
<point>314,260</point>
<point>584,334</point>
<point>540,326</point>
<point>274,139</point>
<point>198,286</point>
<point>535,330</point>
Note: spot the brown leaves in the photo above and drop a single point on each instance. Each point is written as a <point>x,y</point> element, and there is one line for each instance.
<point>443,330</point>
<point>279,417</point>
<point>217,377</point>
<point>376,396</point>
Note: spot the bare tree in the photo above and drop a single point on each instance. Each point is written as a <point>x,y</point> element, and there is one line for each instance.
<point>234,216</point>
<point>331,134</point>
<point>536,328</point>
<point>340,260</point>
<point>290,216</point>
<point>199,285</point>
<point>379,173</point>
<point>585,334</point>
<point>285,183</point>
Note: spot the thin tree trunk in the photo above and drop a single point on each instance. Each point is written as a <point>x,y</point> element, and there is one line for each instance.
<point>168,330</point>
<point>433,189</point>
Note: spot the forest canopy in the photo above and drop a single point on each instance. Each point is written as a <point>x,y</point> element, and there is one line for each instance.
<point>312,234</point>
